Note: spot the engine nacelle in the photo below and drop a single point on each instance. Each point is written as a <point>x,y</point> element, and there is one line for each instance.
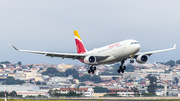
<point>141,59</point>
<point>90,60</point>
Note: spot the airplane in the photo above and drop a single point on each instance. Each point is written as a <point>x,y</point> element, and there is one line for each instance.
<point>113,53</point>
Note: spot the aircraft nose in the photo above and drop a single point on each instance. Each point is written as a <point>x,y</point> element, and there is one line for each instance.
<point>138,47</point>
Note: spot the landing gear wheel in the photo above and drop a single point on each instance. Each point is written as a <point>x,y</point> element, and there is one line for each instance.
<point>118,70</point>
<point>89,71</point>
<point>124,68</point>
<point>91,68</point>
<point>93,71</point>
<point>131,61</point>
<point>94,68</point>
<point>121,68</point>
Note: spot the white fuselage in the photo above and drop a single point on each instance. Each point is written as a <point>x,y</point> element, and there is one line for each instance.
<point>116,52</point>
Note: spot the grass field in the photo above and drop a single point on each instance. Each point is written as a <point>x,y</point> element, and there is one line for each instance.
<point>89,100</point>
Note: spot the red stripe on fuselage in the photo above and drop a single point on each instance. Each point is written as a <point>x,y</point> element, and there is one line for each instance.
<point>80,47</point>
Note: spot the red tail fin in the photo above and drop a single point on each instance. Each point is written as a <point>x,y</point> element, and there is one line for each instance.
<point>79,44</point>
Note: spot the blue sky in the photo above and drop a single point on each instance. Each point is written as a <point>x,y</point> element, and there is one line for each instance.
<point>48,25</point>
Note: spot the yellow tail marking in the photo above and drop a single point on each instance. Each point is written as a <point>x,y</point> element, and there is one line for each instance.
<point>76,34</point>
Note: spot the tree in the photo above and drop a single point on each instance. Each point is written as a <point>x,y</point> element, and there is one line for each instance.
<point>72,72</point>
<point>51,71</point>
<point>129,68</point>
<point>13,94</point>
<point>1,66</point>
<point>82,84</point>
<point>171,63</point>
<point>38,83</point>
<point>51,92</point>
<point>19,63</point>
<point>94,78</point>
<point>44,83</point>
<point>85,77</point>
<point>11,81</point>
<point>100,90</point>
<point>136,91</point>
<point>5,62</point>
<point>152,87</point>
<point>73,94</point>
<point>178,62</point>
<point>114,78</point>
<point>176,80</point>
<point>2,94</point>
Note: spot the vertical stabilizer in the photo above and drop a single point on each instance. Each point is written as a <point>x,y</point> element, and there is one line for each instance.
<point>79,44</point>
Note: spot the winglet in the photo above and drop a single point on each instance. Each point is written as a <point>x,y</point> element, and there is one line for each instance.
<point>15,48</point>
<point>174,46</point>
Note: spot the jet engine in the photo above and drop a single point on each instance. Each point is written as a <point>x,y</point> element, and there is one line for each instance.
<point>90,60</point>
<point>141,59</point>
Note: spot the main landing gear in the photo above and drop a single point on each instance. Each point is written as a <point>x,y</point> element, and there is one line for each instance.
<point>122,68</point>
<point>92,69</point>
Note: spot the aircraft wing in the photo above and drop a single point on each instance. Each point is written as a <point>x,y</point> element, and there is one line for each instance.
<point>63,55</point>
<point>54,54</point>
<point>151,52</point>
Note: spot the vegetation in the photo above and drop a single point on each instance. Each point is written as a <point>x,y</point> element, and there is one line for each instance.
<point>19,63</point>
<point>148,94</point>
<point>51,71</point>
<point>176,80</point>
<point>72,72</point>
<point>94,78</point>
<point>38,83</point>
<point>178,62</point>
<point>54,93</point>
<point>5,62</point>
<point>11,81</point>
<point>11,94</point>
<point>136,91</point>
<point>171,63</point>
<point>129,68</point>
<point>1,66</point>
<point>152,87</point>
<point>111,95</point>
<point>82,84</point>
<point>100,90</point>
<point>39,96</point>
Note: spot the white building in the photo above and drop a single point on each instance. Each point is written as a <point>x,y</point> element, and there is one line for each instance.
<point>58,81</point>
<point>32,93</point>
<point>10,88</point>
<point>122,92</point>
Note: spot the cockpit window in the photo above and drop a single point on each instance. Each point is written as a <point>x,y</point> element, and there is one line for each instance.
<point>134,43</point>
